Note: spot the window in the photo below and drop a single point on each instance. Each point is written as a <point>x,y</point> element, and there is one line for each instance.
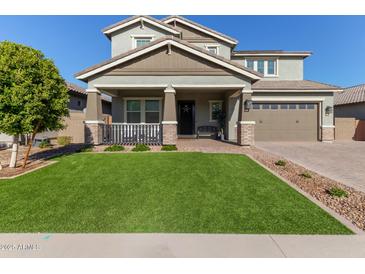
<point>310,106</point>
<point>142,110</point>
<point>302,106</point>
<point>284,106</point>
<point>250,64</point>
<point>212,48</point>
<point>292,106</point>
<point>256,106</point>
<point>133,111</point>
<point>141,41</point>
<point>261,66</point>
<point>274,106</point>
<point>214,108</point>
<point>266,106</point>
<point>271,67</point>
<point>152,111</point>
<point>266,67</point>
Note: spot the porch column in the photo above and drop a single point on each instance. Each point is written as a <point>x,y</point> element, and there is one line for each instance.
<point>245,127</point>
<point>169,122</point>
<point>93,118</point>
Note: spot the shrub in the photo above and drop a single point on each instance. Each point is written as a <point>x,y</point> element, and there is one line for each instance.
<point>114,148</point>
<point>87,149</point>
<point>44,144</point>
<point>168,148</point>
<point>280,163</point>
<point>141,147</point>
<point>64,140</point>
<point>338,192</point>
<point>306,175</point>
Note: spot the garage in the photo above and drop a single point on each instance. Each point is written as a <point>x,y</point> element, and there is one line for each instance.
<point>285,121</point>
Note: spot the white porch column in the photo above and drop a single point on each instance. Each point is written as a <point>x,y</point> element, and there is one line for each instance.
<point>93,117</point>
<point>169,122</point>
<point>245,127</point>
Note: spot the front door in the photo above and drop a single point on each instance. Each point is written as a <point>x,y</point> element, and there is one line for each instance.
<point>186,117</point>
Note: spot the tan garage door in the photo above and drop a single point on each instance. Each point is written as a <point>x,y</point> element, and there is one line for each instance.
<point>286,121</point>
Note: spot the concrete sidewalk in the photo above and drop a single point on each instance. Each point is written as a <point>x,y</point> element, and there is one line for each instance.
<point>180,245</point>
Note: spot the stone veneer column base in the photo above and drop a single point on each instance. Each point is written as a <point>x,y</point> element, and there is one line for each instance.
<point>246,133</point>
<point>328,134</point>
<point>169,134</point>
<point>93,133</point>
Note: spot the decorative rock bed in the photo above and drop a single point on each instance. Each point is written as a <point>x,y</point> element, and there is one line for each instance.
<point>352,207</point>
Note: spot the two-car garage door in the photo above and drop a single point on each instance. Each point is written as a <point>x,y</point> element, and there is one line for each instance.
<point>285,121</point>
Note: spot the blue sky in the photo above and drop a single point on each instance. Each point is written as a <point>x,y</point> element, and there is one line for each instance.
<point>76,42</point>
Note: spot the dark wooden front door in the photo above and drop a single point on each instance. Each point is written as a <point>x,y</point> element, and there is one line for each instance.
<point>186,119</point>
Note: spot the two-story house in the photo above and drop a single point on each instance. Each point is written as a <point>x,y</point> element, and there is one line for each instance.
<point>169,77</point>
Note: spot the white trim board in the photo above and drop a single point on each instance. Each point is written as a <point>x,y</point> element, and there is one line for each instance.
<point>207,86</point>
<point>161,44</point>
<point>138,19</point>
<point>271,54</point>
<point>220,37</point>
<point>130,86</point>
<point>287,99</point>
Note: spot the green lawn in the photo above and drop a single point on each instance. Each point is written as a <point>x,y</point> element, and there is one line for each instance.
<point>158,192</point>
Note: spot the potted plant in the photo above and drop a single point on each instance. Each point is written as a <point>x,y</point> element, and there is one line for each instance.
<point>221,120</point>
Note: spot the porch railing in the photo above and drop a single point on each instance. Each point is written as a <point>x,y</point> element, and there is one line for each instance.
<point>131,134</point>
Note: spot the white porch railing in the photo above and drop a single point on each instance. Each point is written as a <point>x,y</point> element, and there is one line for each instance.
<point>131,134</point>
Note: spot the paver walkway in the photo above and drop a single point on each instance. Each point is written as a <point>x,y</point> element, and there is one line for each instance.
<point>180,245</point>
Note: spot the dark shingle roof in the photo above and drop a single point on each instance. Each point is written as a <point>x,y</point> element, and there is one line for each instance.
<point>351,95</point>
<point>292,85</point>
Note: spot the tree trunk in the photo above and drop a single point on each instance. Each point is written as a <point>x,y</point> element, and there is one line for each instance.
<point>30,143</point>
<point>14,152</point>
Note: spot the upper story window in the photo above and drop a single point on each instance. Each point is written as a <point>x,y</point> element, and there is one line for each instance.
<point>212,48</point>
<point>140,41</point>
<point>267,67</point>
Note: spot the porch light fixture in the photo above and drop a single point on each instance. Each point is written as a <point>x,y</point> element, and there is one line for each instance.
<point>328,110</point>
<point>248,104</point>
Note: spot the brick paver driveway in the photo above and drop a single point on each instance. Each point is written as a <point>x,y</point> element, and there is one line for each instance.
<point>341,161</point>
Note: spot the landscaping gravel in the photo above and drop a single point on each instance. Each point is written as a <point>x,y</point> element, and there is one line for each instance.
<point>352,207</point>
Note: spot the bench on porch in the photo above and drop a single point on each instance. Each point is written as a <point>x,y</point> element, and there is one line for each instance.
<point>207,131</point>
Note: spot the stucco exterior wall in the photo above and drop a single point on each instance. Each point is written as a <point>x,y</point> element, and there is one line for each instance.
<point>223,49</point>
<point>121,41</point>
<point>356,111</point>
<point>289,68</point>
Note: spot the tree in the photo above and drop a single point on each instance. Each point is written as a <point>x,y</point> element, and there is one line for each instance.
<point>33,95</point>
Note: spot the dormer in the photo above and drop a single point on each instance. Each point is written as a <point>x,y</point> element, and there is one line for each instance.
<point>273,64</point>
<point>136,31</point>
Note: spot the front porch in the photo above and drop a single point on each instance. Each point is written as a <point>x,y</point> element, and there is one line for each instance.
<point>160,115</point>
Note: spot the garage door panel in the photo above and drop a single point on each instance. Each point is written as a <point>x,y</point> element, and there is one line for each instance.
<point>286,124</point>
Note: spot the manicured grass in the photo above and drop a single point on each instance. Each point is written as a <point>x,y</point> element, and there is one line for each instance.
<point>158,192</point>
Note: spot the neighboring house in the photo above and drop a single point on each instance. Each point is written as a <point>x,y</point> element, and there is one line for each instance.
<point>350,113</point>
<point>77,108</point>
<point>167,77</point>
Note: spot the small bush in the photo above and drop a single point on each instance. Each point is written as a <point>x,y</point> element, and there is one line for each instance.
<point>44,144</point>
<point>338,192</point>
<point>306,175</point>
<point>87,149</point>
<point>280,163</point>
<point>168,148</point>
<point>64,140</point>
<point>114,148</point>
<point>141,147</point>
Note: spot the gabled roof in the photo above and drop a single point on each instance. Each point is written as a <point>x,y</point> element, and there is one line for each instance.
<point>295,85</point>
<point>351,95</point>
<point>129,55</point>
<point>271,53</point>
<point>134,19</point>
<point>201,28</point>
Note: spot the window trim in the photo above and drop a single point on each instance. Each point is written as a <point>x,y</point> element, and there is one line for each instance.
<point>206,46</point>
<point>266,66</point>
<point>135,37</point>
<point>143,109</point>
<point>211,102</point>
